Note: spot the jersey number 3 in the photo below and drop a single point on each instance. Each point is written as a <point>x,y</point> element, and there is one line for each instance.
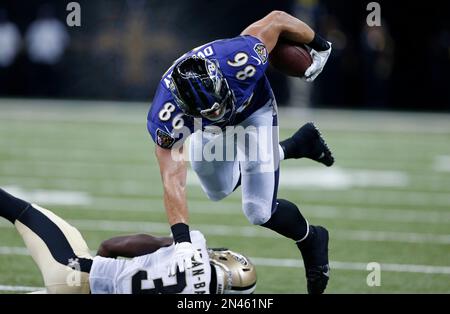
<point>160,288</point>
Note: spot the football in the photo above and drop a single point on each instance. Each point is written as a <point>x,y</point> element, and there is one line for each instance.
<point>290,58</point>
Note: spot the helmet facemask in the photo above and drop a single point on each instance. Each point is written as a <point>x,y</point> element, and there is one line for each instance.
<point>200,90</point>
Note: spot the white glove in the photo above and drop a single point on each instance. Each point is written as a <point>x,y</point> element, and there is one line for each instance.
<point>319,60</point>
<point>181,258</point>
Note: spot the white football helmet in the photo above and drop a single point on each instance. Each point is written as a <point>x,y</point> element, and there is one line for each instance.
<point>235,273</point>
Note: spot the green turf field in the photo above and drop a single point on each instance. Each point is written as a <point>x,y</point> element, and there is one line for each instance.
<point>386,200</point>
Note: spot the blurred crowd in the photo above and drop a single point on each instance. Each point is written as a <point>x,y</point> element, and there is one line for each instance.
<point>122,48</point>
<point>40,49</point>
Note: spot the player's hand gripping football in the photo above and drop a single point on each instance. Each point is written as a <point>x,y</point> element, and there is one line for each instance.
<point>182,257</point>
<point>319,60</point>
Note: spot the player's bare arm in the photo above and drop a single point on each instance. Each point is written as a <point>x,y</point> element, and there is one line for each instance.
<point>173,176</point>
<point>132,245</point>
<point>280,24</point>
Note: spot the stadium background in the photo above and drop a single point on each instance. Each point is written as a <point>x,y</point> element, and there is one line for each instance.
<point>73,137</point>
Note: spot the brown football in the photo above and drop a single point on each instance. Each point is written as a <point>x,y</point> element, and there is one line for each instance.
<point>290,58</point>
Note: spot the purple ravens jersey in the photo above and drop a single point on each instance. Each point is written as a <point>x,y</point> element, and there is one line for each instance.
<point>243,61</point>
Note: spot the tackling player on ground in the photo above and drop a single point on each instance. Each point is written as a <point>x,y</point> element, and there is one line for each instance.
<point>67,266</point>
<point>223,83</point>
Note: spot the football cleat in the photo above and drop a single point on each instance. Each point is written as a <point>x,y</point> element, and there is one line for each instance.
<point>308,142</point>
<point>315,258</point>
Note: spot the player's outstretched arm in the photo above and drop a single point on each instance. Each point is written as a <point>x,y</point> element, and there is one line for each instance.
<point>279,24</point>
<point>173,175</point>
<point>132,245</point>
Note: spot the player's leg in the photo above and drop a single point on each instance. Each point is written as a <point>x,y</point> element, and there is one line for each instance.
<point>58,249</point>
<point>261,206</point>
<point>307,142</point>
<point>260,164</point>
<point>218,176</point>
<point>312,241</point>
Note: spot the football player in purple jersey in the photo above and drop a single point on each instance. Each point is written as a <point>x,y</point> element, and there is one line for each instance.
<point>221,85</point>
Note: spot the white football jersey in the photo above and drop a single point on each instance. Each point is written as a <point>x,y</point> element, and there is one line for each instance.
<point>148,274</point>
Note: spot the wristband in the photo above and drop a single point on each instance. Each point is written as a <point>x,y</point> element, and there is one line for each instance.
<point>180,232</point>
<point>318,43</point>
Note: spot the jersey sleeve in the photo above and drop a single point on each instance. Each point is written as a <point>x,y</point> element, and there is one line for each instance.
<point>245,58</point>
<point>166,123</point>
<point>259,56</point>
<point>244,61</point>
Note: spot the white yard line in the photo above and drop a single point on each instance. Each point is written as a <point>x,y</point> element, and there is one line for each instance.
<point>297,263</point>
<point>339,178</point>
<point>390,236</point>
<point>378,197</point>
<point>402,268</point>
<point>13,250</point>
<point>254,232</point>
<point>366,121</point>
<point>135,187</point>
<point>381,197</point>
<point>336,178</point>
<point>377,214</point>
<point>50,197</point>
<point>133,113</point>
<point>312,211</point>
<point>77,111</point>
<point>83,201</point>
<point>19,288</point>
